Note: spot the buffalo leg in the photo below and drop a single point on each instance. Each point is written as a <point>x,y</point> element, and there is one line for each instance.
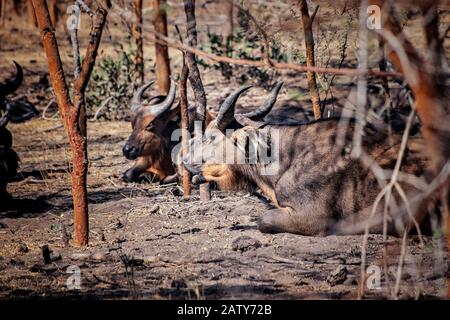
<point>170,179</point>
<point>140,166</point>
<point>4,195</point>
<point>286,220</point>
<point>132,174</point>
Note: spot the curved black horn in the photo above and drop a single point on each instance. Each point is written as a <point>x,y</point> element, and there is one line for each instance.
<point>13,84</point>
<point>136,101</point>
<point>160,108</point>
<point>6,116</point>
<point>267,106</point>
<point>226,111</point>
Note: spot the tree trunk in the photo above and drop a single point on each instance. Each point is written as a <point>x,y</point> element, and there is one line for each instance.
<point>196,80</point>
<point>137,35</point>
<point>307,22</point>
<point>73,115</point>
<point>53,7</point>
<point>3,12</point>
<point>13,8</point>
<point>184,126</point>
<point>78,143</point>
<point>162,51</point>
<point>230,20</point>
<point>31,14</point>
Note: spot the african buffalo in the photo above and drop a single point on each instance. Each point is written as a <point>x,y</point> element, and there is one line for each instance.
<point>315,185</point>
<point>9,160</point>
<point>150,143</point>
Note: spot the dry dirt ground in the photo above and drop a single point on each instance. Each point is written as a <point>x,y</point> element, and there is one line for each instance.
<point>148,242</point>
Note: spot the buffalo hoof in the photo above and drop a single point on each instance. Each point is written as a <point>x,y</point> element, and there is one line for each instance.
<point>131,176</point>
<point>169,179</point>
<point>275,221</point>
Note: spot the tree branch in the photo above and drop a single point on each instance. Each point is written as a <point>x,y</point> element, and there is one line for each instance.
<point>274,65</point>
<point>91,51</point>
<point>196,80</point>
<point>55,67</point>
<point>75,47</point>
<point>85,8</point>
<point>261,30</point>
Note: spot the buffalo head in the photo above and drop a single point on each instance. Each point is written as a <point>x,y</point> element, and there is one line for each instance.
<point>150,123</point>
<point>209,155</point>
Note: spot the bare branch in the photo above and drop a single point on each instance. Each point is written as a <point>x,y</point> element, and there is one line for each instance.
<point>54,60</point>
<point>274,65</point>
<point>195,79</point>
<point>261,30</point>
<point>85,8</point>
<point>309,45</point>
<point>75,48</point>
<point>91,51</point>
<point>313,16</point>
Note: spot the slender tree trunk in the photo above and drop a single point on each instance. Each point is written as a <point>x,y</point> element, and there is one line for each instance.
<point>53,7</point>
<point>73,114</point>
<point>162,51</point>
<point>31,15</point>
<point>78,142</point>
<point>307,22</point>
<point>13,8</point>
<point>196,80</point>
<point>184,126</point>
<point>3,12</point>
<point>137,35</point>
<point>230,20</point>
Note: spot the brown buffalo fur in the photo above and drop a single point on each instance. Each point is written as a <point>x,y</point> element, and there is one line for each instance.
<point>320,189</point>
<point>156,146</point>
<point>9,163</point>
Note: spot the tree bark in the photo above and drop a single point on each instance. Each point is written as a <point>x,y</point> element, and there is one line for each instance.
<point>307,22</point>
<point>137,35</point>
<point>196,80</point>
<point>3,13</point>
<point>162,51</point>
<point>73,114</point>
<point>186,177</point>
<point>13,8</point>
<point>230,20</point>
<point>53,7</point>
<point>31,14</point>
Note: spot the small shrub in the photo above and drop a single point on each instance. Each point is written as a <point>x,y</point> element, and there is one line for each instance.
<point>114,76</point>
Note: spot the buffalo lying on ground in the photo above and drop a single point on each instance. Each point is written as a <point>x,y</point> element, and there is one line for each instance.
<point>307,171</point>
<point>150,144</point>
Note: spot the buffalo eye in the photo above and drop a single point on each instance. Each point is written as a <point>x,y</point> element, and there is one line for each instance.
<point>150,127</point>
